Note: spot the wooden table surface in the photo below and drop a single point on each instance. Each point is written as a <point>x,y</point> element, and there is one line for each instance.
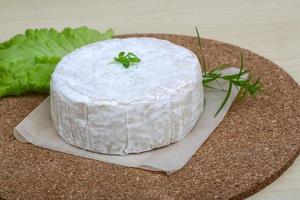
<point>270,28</point>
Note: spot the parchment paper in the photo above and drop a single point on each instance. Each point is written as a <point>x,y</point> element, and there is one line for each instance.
<point>37,129</point>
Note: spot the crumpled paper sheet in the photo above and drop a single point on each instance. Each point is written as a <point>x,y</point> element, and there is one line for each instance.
<point>37,129</point>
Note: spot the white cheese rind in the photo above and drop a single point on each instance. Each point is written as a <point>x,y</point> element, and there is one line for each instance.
<point>103,107</point>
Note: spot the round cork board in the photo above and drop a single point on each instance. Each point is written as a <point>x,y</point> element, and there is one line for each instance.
<point>257,141</point>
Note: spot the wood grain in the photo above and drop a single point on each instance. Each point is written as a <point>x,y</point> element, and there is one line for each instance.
<point>269,28</point>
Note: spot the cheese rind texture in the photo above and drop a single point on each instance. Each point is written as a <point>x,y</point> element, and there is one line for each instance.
<point>98,105</point>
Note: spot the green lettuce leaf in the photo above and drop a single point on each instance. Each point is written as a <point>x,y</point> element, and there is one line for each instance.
<point>28,60</point>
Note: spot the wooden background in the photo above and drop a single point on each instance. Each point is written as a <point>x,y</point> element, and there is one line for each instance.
<point>270,28</point>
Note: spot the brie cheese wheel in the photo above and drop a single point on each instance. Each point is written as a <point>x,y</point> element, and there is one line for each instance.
<point>98,105</point>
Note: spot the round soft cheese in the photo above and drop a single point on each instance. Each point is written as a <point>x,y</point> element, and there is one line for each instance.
<point>101,106</point>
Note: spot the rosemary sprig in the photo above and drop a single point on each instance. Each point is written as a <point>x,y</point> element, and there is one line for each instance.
<point>244,85</point>
<point>127,59</point>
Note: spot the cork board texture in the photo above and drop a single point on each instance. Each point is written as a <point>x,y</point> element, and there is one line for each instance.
<point>257,141</point>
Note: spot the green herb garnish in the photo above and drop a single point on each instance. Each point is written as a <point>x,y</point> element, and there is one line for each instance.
<point>127,59</point>
<point>244,85</point>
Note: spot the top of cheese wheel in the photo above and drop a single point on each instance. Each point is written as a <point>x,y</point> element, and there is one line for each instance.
<point>165,69</point>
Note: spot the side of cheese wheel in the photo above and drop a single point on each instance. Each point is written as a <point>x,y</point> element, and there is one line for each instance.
<point>98,105</point>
